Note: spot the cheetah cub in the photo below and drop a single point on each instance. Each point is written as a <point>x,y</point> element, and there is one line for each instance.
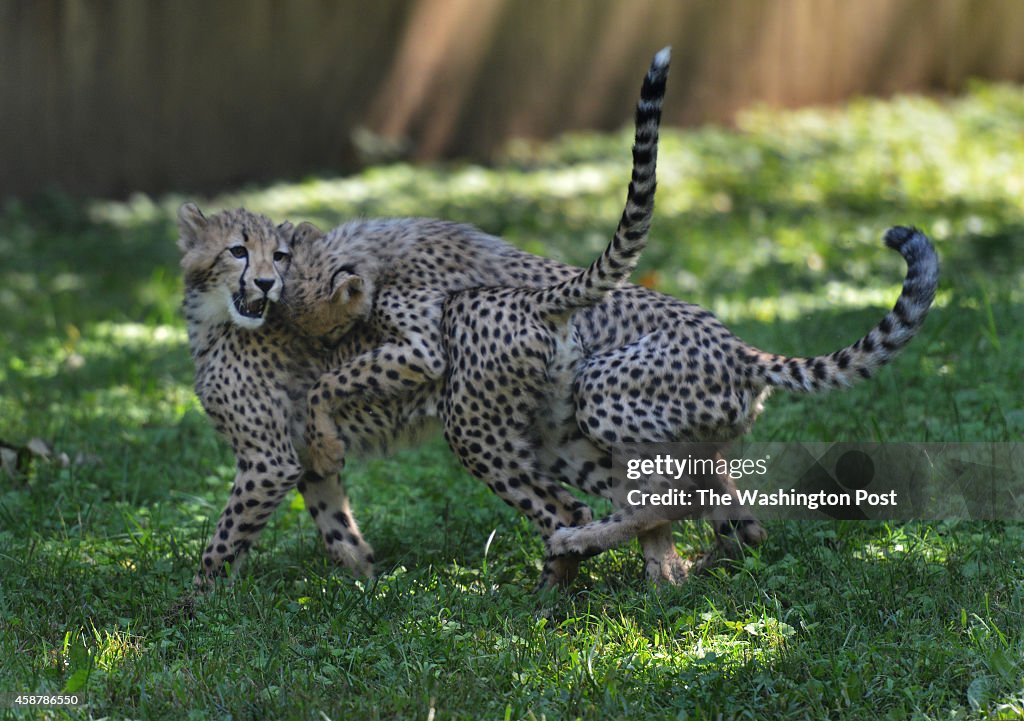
<point>252,375</point>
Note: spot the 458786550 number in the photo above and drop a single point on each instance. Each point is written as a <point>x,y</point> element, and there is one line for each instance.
<point>38,700</point>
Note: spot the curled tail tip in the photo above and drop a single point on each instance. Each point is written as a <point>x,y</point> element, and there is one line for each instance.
<point>918,252</point>
<point>903,237</point>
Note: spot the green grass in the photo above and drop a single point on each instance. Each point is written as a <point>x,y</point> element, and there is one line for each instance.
<point>776,227</point>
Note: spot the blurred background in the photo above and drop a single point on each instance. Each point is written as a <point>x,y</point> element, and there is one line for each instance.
<point>104,98</point>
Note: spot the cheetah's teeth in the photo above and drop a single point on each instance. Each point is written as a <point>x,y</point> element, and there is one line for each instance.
<point>256,309</point>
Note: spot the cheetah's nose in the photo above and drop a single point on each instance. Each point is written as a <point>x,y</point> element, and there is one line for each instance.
<point>265,284</point>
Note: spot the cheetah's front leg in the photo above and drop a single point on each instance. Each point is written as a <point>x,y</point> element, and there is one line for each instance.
<point>260,484</point>
<point>325,448</point>
<point>390,370</point>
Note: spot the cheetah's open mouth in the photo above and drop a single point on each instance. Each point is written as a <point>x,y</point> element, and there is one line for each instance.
<point>255,309</point>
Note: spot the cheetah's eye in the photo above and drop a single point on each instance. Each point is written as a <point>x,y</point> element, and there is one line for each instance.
<point>238,251</point>
<point>281,257</point>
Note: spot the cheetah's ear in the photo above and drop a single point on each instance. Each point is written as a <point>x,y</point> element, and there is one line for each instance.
<point>285,229</point>
<point>306,232</point>
<point>346,288</point>
<point>191,225</point>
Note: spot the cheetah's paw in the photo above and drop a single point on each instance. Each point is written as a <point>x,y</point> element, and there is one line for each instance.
<point>326,456</point>
<point>670,570</point>
<point>558,572</point>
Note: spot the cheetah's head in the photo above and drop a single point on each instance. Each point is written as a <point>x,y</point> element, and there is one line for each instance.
<point>234,264</point>
<point>326,295</point>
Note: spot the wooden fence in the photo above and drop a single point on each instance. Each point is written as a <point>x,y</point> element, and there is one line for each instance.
<point>106,97</point>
